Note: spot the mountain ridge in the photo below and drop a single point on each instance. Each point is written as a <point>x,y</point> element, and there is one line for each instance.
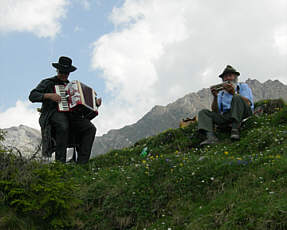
<point>160,118</point>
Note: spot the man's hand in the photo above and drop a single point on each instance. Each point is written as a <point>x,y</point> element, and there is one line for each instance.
<point>52,96</point>
<point>229,88</point>
<point>246,100</point>
<point>214,92</point>
<point>99,102</point>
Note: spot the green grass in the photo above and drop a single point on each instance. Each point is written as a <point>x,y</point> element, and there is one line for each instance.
<point>177,185</point>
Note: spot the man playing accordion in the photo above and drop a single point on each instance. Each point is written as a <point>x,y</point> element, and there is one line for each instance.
<point>57,127</point>
<point>232,102</point>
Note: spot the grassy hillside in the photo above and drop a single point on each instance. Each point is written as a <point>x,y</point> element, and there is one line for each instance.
<point>176,185</point>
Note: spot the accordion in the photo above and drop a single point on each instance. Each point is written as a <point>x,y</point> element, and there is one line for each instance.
<point>76,96</point>
<point>220,86</point>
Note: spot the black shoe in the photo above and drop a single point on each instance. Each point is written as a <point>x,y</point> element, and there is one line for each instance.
<point>235,134</point>
<point>210,140</point>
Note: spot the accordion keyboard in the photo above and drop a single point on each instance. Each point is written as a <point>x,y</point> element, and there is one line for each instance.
<point>63,104</point>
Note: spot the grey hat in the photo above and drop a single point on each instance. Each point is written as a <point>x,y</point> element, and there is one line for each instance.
<point>229,69</point>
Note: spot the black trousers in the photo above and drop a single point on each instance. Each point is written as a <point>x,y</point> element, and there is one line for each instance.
<point>238,111</point>
<point>65,124</point>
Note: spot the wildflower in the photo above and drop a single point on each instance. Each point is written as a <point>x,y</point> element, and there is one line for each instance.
<point>278,156</point>
<point>144,161</point>
<point>225,152</point>
<point>211,178</point>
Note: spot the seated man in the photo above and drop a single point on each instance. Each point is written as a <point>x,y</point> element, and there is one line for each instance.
<point>62,123</point>
<point>232,102</point>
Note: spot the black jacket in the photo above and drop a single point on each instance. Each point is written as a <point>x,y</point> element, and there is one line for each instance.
<point>47,110</point>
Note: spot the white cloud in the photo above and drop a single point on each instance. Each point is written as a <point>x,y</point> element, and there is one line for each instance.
<point>162,49</point>
<point>40,17</point>
<point>85,3</point>
<point>21,114</point>
<point>280,38</point>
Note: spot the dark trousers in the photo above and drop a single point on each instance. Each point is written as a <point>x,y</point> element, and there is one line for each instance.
<point>239,110</point>
<point>82,129</point>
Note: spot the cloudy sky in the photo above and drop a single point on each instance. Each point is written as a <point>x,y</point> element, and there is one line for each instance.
<point>135,53</point>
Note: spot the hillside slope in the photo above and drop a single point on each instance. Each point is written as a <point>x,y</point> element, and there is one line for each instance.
<point>161,118</point>
<point>174,184</point>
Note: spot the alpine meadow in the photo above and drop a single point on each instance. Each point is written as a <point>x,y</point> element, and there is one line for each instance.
<point>166,181</point>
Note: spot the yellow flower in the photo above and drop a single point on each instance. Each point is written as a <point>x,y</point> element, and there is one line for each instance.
<point>278,156</point>
<point>144,161</point>
<point>226,153</point>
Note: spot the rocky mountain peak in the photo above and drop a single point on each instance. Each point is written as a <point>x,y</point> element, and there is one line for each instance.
<point>22,137</point>
<point>158,119</point>
<point>163,117</point>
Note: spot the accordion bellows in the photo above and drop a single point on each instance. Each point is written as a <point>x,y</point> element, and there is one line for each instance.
<point>79,97</point>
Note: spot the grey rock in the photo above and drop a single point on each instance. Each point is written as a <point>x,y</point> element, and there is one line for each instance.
<point>22,138</point>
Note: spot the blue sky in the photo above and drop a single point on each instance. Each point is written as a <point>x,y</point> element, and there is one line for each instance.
<point>135,53</point>
<point>26,58</point>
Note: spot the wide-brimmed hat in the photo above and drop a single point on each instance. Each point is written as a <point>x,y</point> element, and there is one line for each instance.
<point>229,69</point>
<point>64,65</point>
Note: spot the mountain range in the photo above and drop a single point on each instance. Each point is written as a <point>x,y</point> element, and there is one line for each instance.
<point>161,118</point>
<point>22,139</point>
<point>158,119</point>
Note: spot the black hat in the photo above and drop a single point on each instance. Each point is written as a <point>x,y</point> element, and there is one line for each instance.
<point>229,69</point>
<point>64,65</point>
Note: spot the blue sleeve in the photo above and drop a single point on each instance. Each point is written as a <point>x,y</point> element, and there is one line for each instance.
<point>245,91</point>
